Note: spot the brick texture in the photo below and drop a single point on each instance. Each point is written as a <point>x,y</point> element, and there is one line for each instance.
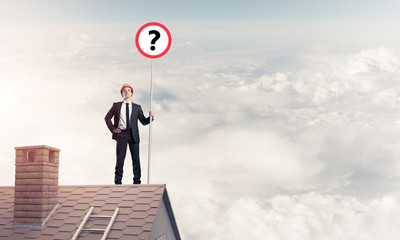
<point>36,183</point>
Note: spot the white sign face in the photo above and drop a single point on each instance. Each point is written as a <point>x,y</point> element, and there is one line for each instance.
<point>153,40</point>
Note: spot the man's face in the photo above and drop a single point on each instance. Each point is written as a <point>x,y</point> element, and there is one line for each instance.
<point>127,92</point>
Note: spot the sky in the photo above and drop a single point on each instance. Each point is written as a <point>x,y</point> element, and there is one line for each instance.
<point>274,120</point>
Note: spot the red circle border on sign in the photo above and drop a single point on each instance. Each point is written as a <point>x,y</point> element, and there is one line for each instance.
<point>137,40</point>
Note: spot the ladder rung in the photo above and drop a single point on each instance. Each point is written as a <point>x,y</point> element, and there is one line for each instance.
<point>76,235</point>
<point>89,215</point>
<point>100,216</point>
<point>93,230</point>
<point>107,231</point>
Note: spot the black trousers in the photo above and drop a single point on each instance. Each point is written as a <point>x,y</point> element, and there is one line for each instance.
<point>125,139</point>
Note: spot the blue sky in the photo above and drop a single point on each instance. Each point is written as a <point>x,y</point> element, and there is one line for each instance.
<point>47,11</point>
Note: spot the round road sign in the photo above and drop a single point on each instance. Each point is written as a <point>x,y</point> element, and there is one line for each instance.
<point>153,40</point>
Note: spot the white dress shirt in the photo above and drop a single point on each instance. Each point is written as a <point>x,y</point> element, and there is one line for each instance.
<point>122,118</point>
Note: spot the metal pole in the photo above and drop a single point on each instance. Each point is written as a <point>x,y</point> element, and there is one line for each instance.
<point>151,102</point>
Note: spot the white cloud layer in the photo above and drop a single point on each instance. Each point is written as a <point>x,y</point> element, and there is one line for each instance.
<point>297,140</point>
<point>306,216</point>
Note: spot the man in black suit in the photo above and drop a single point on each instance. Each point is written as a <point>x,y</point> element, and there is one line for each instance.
<point>126,132</point>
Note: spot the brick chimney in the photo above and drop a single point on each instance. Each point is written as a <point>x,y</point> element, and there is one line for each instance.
<point>36,183</point>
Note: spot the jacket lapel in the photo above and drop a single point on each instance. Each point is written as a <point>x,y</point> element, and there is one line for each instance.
<point>118,114</point>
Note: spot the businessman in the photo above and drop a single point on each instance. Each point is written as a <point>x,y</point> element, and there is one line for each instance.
<point>125,131</point>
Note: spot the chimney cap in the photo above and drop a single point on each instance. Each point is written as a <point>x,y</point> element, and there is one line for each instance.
<point>38,147</point>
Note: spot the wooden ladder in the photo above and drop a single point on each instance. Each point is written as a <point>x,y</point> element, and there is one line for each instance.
<point>89,215</point>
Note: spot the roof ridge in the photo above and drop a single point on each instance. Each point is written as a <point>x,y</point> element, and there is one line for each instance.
<point>113,185</point>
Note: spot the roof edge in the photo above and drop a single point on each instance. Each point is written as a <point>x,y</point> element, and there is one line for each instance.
<point>171,214</point>
<point>114,185</point>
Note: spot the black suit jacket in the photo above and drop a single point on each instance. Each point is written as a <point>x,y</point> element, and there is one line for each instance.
<point>137,114</point>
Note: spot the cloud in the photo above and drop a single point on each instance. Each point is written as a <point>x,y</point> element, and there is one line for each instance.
<point>284,143</point>
<point>322,81</point>
<point>389,98</point>
<point>372,60</point>
<point>307,216</point>
<point>230,159</point>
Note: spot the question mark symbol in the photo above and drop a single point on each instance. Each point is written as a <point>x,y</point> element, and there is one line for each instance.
<point>156,37</point>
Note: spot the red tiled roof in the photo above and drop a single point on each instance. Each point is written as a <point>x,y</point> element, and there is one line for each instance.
<point>137,205</point>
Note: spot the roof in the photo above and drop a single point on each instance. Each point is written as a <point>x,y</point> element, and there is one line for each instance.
<point>138,205</point>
